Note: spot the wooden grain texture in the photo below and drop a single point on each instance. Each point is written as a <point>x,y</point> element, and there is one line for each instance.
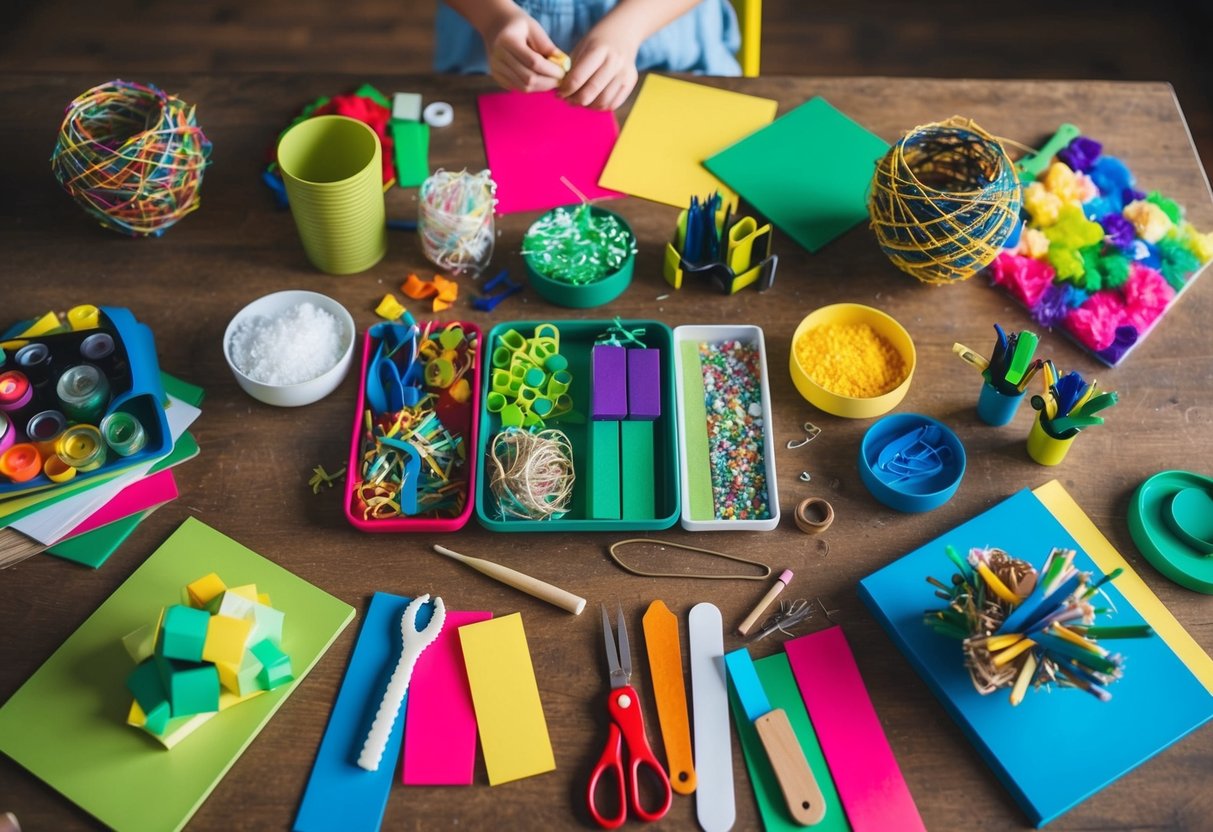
<point>250,480</point>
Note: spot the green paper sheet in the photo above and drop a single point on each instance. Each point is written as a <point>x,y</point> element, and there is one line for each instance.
<point>699,468</point>
<point>808,172</point>
<point>94,548</point>
<point>775,673</point>
<point>67,724</point>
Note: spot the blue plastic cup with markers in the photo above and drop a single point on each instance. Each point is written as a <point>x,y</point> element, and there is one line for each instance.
<point>996,407</point>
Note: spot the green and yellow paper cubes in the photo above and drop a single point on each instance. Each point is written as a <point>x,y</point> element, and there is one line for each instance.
<point>220,646</point>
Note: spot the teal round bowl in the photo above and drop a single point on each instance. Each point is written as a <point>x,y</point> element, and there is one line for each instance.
<point>584,295</point>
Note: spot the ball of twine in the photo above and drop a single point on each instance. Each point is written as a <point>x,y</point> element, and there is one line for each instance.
<point>943,201</point>
<point>132,156</point>
<point>531,474</point>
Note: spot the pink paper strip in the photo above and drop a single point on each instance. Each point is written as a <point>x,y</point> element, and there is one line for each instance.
<point>149,492</point>
<point>869,782</point>
<point>440,723</point>
<point>531,140</point>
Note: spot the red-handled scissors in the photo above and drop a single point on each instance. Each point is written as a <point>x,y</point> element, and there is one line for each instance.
<point>627,725</point>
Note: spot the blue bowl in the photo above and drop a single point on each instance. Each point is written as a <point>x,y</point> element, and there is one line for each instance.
<point>911,462</point>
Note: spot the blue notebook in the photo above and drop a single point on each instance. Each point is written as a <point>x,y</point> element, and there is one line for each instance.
<point>1166,691</point>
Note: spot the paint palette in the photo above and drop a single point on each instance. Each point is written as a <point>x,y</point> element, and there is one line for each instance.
<point>625,466</point>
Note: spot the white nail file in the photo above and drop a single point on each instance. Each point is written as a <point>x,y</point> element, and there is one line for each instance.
<point>715,806</point>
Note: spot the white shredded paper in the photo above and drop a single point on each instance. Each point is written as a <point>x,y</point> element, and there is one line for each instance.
<point>299,344</point>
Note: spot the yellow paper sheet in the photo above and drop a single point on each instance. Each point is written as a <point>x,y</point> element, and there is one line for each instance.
<point>1100,550</point>
<point>674,125</point>
<point>509,715</point>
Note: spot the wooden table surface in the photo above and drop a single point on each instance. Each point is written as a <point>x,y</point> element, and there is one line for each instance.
<point>250,480</point>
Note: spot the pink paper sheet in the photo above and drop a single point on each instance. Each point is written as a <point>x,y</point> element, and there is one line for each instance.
<point>531,140</point>
<point>440,723</point>
<point>149,492</point>
<point>866,774</point>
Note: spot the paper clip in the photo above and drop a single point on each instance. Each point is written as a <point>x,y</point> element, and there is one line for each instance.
<point>811,432</point>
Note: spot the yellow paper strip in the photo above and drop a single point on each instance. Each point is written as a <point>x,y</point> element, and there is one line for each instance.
<point>509,715</point>
<point>1071,516</point>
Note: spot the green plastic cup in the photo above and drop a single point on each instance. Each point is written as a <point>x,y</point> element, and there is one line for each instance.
<point>333,171</point>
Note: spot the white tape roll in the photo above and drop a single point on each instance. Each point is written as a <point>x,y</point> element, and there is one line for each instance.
<point>438,114</point>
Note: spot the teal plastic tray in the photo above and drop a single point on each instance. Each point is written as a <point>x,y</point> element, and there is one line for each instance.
<point>576,340</point>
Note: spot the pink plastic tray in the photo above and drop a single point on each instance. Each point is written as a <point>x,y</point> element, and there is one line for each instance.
<point>461,419</point>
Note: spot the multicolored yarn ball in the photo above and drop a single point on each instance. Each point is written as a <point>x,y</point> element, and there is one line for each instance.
<point>132,156</point>
<point>943,201</point>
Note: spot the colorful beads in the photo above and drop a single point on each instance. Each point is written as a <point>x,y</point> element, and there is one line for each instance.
<point>732,389</point>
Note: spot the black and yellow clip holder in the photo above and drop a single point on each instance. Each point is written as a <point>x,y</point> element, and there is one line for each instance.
<point>727,250</point>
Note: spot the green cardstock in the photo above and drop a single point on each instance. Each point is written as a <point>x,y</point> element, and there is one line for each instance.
<point>94,548</point>
<point>67,724</point>
<point>699,469</point>
<point>775,673</point>
<point>808,172</point>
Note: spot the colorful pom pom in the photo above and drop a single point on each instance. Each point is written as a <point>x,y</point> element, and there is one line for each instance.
<point>1023,277</point>
<point>1169,206</point>
<point>1041,204</point>
<point>1177,261</point>
<point>1094,323</point>
<point>1118,231</point>
<point>1147,294</point>
<point>1034,243</point>
<point>1111,175</point>
<point>1151,222</point>
<point>1081,154</point>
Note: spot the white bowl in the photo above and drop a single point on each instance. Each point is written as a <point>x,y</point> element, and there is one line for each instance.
<point>304,392</point>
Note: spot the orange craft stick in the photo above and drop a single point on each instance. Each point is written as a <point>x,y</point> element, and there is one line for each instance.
<point>665,666</point>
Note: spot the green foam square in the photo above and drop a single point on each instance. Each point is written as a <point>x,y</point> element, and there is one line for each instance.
<point>192,688</point>
<point>275,665</point>
<point>183,633</point>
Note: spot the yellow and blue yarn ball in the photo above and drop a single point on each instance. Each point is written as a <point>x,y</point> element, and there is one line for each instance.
<point>944,200</point>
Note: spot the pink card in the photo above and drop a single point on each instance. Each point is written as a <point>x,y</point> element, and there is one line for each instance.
<point>149,492</point>
<point>866,774</point>
<point>440,723</point>
<point>531,140</point>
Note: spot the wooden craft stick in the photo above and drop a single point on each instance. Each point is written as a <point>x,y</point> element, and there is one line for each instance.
<point>554,595</point>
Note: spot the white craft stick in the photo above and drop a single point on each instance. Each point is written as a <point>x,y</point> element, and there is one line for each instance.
<point>415,641</point>
<point>715,804</point>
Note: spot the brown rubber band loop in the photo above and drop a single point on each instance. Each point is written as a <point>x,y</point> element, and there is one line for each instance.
<point>814,515</point>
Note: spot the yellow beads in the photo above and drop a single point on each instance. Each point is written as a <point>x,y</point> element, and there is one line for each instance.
<point>850,360</point>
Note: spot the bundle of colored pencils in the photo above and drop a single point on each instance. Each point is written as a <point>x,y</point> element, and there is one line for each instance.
<point>1020,628</point>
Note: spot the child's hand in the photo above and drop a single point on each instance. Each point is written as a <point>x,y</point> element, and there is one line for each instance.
<point>517,51</point>
<point>604,68</point>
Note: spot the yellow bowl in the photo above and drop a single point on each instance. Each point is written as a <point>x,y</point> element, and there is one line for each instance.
<point>851,407</point>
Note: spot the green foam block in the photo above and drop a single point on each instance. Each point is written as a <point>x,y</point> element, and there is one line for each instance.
<point>699,472</point>
<point>637,467</point>
<point>411,151</point>
<point>604,491</point>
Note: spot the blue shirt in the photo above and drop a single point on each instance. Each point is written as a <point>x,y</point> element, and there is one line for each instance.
<point>704,40</point>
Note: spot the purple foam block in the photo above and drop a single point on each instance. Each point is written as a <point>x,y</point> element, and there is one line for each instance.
<point>610,390</point>
<point>644,384</point>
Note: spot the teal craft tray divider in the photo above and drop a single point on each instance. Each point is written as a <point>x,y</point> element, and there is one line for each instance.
<point>576,340</point>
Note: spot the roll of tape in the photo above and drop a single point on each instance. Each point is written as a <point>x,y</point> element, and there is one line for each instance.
<point>814,515</point>
<point>438,114</point>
